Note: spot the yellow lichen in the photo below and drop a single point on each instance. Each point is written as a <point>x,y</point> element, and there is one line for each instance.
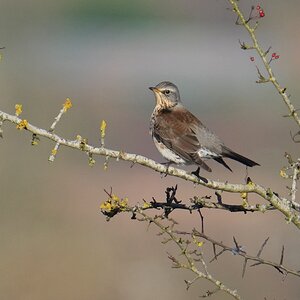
<point>199,244</point>
<point>83,143</point>
<point>22,125</point>
<point>91,161</point>
<point>250,183</point>
<point>123,203</point>
<point>196,242</point>
<point>283,174</point>
<point>106,205</point>
<point>67,105</point>
<point>103,129</point>
<point>18,108</point>
<point>244,195</point>
<point>113,205</point>
<point>245,203</point>
<point>35,139</point>
<point>146,205</point>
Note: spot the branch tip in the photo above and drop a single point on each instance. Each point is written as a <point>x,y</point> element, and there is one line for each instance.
<point>54,152</point>
<point>66,106</point>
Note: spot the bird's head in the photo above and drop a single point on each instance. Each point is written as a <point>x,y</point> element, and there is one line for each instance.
<point>166,94</point>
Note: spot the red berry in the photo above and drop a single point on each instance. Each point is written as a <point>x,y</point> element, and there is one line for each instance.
<point>258,7</point>
<point>252,58</point>
<point>274,54</point>
<point>261,13</point>
<point>277,56</point>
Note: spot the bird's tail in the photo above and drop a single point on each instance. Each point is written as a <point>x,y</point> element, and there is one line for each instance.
<point>226,152</point>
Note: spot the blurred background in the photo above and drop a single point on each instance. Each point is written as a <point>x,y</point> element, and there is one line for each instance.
<point>104,54</point>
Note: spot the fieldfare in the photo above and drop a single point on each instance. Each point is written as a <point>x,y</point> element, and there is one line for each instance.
<point>180,137</point>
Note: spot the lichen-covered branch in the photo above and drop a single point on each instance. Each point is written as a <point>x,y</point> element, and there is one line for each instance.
<point>295,178</point>
<point>283,205</point>
<point>191,248</point>
<point>245,22</point>
<point>67,105</point>
<point>115,205</point>
<point>292,172</point>
<point>192,256</point>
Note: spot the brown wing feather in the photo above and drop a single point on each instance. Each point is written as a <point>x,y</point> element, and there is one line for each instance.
<point>178,126</point>
<point>177,129</point>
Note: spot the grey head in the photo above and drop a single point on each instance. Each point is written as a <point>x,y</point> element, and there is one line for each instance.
<point>166,94</point>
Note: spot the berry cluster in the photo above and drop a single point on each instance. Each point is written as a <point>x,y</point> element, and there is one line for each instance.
<point>260,14</point>
<point>260,11</point>
<point>275,55</point>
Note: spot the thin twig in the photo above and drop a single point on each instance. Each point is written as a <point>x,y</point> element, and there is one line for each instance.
<point>296,171</point>
<point>190,260</point>
<point>66,106</point>
<point>257,259</point>
<point>262,246</point>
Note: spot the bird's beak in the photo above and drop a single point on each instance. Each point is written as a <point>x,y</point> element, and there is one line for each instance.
<point>158,95</point>
<point>154,89</point>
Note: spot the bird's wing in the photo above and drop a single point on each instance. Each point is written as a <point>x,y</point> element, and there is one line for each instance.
<point>177,129</point>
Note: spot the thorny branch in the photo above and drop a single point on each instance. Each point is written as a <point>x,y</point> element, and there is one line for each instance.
<point>172,203</point>
<point>238,250</point>
<point>190,250</point>
<point>285,206</point>
<point>242,20</point>
<point>115,205</point>
<point>192,257</point>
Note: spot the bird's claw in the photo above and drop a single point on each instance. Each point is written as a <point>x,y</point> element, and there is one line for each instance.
<point>197,174</point>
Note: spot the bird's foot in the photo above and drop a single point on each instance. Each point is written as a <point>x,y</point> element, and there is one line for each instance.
<point>197,174</point>
<point>167,164</point>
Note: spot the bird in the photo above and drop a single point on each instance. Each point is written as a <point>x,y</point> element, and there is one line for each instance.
<point>181,137</point>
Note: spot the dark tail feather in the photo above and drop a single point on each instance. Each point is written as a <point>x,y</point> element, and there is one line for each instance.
<point>242,159</point>
<point>222,162</point>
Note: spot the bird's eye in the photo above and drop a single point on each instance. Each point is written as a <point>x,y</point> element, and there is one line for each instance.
<point>167,92</point>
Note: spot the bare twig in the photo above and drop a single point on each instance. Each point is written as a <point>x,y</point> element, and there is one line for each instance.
<point>295,178</point>
<point>292,171</point>
<point>54,152</point>
<point>190,249</point>
<point>1,130</point>
<point>237,250</point>
<point>202,220</point>
<point>67,105</point>
<point>191,262</point>
<point>262,246</point>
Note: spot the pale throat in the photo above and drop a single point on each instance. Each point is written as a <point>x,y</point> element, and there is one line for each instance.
<point>163,102</point>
